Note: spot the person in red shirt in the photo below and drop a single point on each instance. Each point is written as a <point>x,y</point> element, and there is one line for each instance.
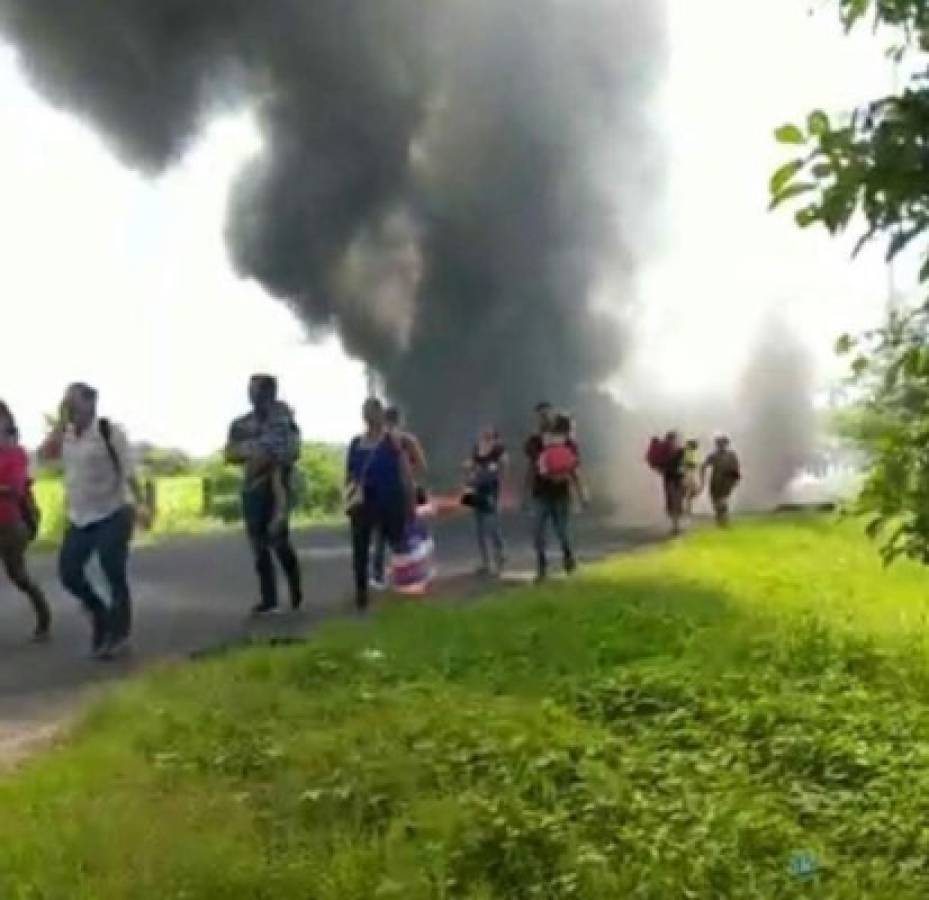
<point>14,533</point>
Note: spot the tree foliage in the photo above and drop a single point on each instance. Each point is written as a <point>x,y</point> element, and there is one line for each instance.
<point>870,170</point>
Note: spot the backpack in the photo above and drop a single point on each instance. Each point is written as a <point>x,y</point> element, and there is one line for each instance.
<point>29,513</point>
<point>558,463</point>
<point>106,433</point>
<point>657,454</point>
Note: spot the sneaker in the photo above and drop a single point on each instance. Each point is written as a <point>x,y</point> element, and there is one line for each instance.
<point>116,648</point>
<point>100,635</point>
<point>265,609</point>
<point>378,584</point>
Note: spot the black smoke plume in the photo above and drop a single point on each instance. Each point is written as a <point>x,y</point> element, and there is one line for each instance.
<point>450,184</point>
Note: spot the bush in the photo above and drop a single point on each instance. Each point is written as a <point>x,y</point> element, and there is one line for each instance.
<point>50,496</point>
<point>179,504</point>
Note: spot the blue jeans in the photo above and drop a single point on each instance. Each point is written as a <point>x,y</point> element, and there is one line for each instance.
<point>109,540</point>
<point>489,537</point>
<point>557,511</point>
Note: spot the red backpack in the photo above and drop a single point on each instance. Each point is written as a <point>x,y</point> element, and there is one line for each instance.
<point>657,454</point>
<point>558,463</point>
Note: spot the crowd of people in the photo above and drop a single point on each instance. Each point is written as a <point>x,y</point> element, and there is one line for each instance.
<point>386,500</point>
<point>684,476</point>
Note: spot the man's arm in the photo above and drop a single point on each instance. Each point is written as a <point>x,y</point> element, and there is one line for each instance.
<point>406,474</point>
<point>238,450</point>
<point>579,487</point>
<point>707,465</point>
<point>51,448</point>
<point>417,456</point>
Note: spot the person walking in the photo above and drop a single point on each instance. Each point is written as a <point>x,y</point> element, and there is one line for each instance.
<point>725,474</point>
<point>487,469</point>
<point>410,445</point>
<point>674,477</point>
<point>104,503</point>
<point>18,521</point>
<point>379,492</point>
<point>554,469</point>
<point>266,442</point>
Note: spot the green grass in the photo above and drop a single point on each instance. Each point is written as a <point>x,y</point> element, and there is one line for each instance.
<point>673,724</point>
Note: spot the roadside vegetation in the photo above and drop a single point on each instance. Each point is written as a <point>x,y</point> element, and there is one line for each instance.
<point>736,715</point>
<point>193,496</point>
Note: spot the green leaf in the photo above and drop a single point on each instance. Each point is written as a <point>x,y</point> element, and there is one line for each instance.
<point>900,240</point>
<point>789,134</point>
<point>860,365</point>
<point>793,190</point>
<point>818,123</point>
<point>823,170</point>
<point>924,270</point>
<point>845,344</point>
<point>781,178</point>
<point>806,217</point>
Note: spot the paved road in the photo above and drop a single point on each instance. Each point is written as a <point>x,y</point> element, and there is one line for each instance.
<point>193,594</point>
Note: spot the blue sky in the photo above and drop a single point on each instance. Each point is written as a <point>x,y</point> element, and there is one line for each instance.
<point>122,281</point>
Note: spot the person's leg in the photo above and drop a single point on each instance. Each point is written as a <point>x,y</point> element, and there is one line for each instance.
<point>379,563</point>
<point>290,562</point>
<point>674,499</point>
<point>258,510</point>
<point>721,508</point>
<point>78,546</point>
<point>13,544</point>
<point>361,519</point>
<point>542,515</point>
<point>561,519</point>
<point>495,529</point>
<point>113,540</point>
<point>481,521</point>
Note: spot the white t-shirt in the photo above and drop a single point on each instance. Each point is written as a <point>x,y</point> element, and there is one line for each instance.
<point>95,488</point>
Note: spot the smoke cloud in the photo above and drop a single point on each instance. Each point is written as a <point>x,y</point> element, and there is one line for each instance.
<point>777,425</point>
<point>446,183</point>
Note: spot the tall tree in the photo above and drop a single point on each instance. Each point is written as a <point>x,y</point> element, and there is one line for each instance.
<point>870,171</point>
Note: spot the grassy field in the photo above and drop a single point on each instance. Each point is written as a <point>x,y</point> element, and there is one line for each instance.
<point>739,715</point>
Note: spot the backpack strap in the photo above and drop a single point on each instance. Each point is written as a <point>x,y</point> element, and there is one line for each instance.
<point>106,432</point>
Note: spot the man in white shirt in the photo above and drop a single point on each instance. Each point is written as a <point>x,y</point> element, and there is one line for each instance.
<point>103,500</point>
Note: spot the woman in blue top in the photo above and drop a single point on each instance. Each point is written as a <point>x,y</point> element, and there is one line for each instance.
<point>378,474</point>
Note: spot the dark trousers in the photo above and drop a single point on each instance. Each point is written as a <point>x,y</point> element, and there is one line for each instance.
<point>109,540</point>
<point>13,546</point>
<point>557,512</point>
<point>368,520</point>
<point>258,512</point>
<point>379,563</point>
